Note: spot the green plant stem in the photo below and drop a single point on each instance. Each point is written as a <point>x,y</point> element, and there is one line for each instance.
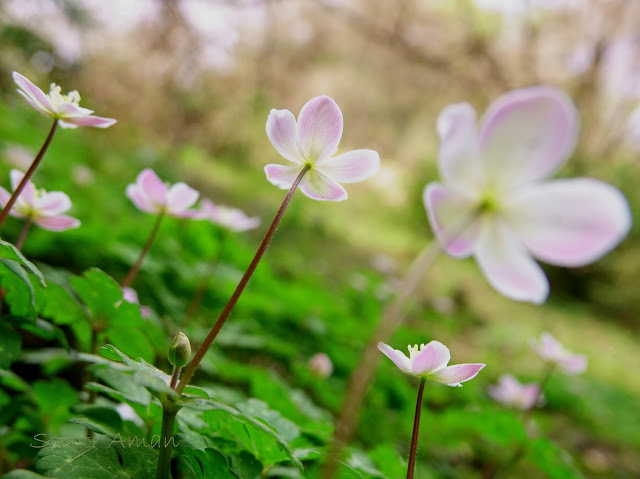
<point>212,267</point>
<point>392,317</point>
<point>190,370</point>
<point>147,246</point>
<point>28,174</point>
<point>169,413</point>
<point>23,233</point>
<point>416,428</point>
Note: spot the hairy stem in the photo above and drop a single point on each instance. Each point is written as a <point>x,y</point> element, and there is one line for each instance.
<point>23,233</point>
<point>241,286</point>
<point>28,174</point>
<point>416,428</point>
<point>147,246</point>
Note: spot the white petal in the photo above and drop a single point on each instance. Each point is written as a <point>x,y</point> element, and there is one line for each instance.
<point>508,266</point>
<point>350,167</point>
<point>570,222</point>
<point>397,356</point>
<point>319,128</point>
<point>320,187</point>
<point>432,357</point>
<point>527,134</point>
<point>282,132</point>
<point>282,176</point>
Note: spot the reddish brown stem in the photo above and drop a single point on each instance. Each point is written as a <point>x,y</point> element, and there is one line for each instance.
<point>23,233</point>
<point>147,246</point>
<point>191,369</point>
<point>416,428</point>
<point>28,174</point>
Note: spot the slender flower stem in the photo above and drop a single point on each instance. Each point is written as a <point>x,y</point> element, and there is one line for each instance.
<point>212,267</point>
<point>392,317</point>
<point>23,233</point>
<point>241,286</point>
<point>174,377</point>
<point>28,174</point>
<point>169,413</point>
<point>147,246</point>
<point>416,428</point>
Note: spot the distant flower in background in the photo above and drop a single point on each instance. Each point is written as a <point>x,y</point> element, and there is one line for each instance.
<point>552,352</point>
<point>512,393</point>
<point>312,141</point>
<point>55,105</point>
<point>230,218</point>
<point>151,195</point>
<point>320,364</point>
<point>494,206</point>
<point>42,208</point>
<point>429,361</point>
<point>131,296</point>
<point>17,156</point>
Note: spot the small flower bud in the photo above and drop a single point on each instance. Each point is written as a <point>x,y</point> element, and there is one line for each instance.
<point>180,350</point>
<point>321,365</point>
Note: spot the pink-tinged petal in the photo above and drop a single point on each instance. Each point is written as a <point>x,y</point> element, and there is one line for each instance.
<point>181,197</point>
<point>320,187</point>
<point>36,106</point>
<point>33,94</point>
<point>508,266</point>
<point>95,121</point>
<point>282,176</point>
<point>548,348</point>
<point>398,357</point>
<point>67,125</point>
<point>319,128</point>
<point>130,295</point>
<point>459,156</point>
<point>350,167</point>
<point>142,202</point>
<point>454,375</point>
<point>151,186</point>
<point>281,130</point>
<point>432,357</point>
<point>53,203</point>
<point>570,222</point>
<point>193,214</point>
<point>56,223</point>
<point>28,192</point>
<point>573,364</point>
<point>527,134</point>
<point>451,216</point>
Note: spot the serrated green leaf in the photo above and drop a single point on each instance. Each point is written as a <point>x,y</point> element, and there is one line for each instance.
<point>207,464</point>
<point>98,291</point>
<point>9,251</point>
<point>9,346</point>
<point>54,398</point>
<point>122,383</point>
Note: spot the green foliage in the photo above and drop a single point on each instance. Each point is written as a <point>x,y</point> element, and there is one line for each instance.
<point>555,462</point>
<point>9,346</point>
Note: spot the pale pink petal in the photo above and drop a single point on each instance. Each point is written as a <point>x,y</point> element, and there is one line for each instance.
<point>181,197</point>
<point>36,106</point>
<point>508,266</point>
<point>53,203</point>
<point>459,157</point>
<point>281,130</point>
<point>549,347</point>
<point>350,167</point>
<point>39,100</point>
<point>28,192</point>
<point>570,222</point>
<point>193,214</point>
<point>67,125</point>
<point>454,375</point>
<point>282,176</point>
<point>451,215</point>
<point>141,201</point>
<point>130,295</point>
<point>56,223</point>
<point>152,187</point>
<point>527,134</point>
<point>432,357</point>
<point>573,364</point>
<point>398,357</point>
<point>319,129</point>
<point>320,187</point>
<point>95,121</point>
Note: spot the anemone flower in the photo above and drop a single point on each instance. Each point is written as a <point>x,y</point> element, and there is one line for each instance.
<point>232,219</point>
<point>554,353</point>
<point>151,195</point>
<point>511,392</point>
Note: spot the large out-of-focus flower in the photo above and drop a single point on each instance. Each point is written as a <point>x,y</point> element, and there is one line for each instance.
<point>43,208</point>
<point>551,351</point>
<point>65,108</point>
<point>151,195</point>
<point>494,203</point>
<point>430,361</point>
<point>510,392</point>
<point>230,218</point>
<point>320,364</point>
<point>312,141</point>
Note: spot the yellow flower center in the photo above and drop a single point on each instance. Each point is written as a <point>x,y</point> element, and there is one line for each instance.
<point>57,98</point>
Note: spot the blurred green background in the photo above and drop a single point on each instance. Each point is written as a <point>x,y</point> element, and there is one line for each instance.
<point>191,84</point>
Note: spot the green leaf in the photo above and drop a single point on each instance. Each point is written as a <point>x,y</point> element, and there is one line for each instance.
<point>97,459</point>
<point>20,295</point>
<point>551,459</point>
<point>207,464</point>
<point>9,251</point>
<point>54,398</point>
<point>22,474</point>
<point>9,346</point>
<point>98,291</point>
<point>122,386</point>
